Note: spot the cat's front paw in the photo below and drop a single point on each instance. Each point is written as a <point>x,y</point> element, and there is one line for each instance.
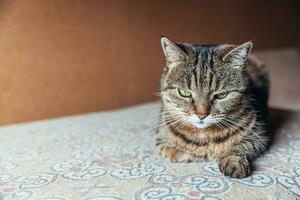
<point>174,154</point>
<point>235,166</point>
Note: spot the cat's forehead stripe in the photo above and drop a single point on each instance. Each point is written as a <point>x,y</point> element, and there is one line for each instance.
<point>195,76</point>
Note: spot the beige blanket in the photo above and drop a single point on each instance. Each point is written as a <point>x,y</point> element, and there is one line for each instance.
<point>111,156</point>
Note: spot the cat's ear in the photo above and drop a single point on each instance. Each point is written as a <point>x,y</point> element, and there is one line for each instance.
<point>239,53</point>
<point>172,52</point>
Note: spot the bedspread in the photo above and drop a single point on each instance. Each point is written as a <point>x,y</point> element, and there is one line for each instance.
<point>112,156</point>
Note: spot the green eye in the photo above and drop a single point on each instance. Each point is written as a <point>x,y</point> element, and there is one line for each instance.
<point>184,93</point>
<point>221,95</point>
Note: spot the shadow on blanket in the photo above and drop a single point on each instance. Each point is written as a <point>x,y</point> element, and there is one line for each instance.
<point>278,118</point>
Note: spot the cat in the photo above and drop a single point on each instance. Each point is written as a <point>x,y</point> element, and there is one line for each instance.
<point>214,105</point>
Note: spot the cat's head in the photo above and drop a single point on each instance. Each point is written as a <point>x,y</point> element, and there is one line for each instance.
<point>204,84</point>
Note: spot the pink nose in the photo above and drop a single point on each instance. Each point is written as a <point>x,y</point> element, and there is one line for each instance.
<point>201,116</point>
<point>202,111</point>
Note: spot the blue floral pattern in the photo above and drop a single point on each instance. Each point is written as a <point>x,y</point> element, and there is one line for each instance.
<point>112,156</point>
<point>291,183</point>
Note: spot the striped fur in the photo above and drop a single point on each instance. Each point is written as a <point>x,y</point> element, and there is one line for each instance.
<point>233,128</point>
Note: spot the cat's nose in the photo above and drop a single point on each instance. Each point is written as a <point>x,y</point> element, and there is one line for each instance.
<point>202,112</point>
<point>202,116</point>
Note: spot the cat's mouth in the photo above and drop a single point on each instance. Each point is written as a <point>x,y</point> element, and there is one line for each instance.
<point>200,123</point>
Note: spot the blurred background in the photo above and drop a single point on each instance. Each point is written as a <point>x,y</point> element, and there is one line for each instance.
<point>64,57</point>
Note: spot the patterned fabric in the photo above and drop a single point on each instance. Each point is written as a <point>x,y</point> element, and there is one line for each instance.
<point>111,156</point>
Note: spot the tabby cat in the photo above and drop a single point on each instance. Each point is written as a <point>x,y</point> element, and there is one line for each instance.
<point>214,104</point>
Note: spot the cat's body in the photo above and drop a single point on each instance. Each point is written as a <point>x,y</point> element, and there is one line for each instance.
<point>214,103</point>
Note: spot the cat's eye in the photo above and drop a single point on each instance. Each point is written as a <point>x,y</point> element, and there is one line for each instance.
<point>184,93</point>
<point>221,95</point>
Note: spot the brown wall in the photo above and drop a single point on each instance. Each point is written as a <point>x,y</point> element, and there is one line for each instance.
<point>71,56</point>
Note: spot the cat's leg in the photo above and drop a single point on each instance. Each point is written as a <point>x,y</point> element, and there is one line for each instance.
<point>172,152</point>
<point>238,162</point>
